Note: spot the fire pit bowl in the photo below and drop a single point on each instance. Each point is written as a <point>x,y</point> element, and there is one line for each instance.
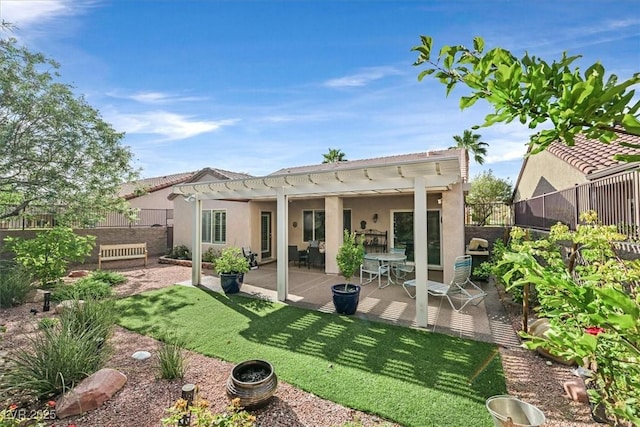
<point>253,382</point>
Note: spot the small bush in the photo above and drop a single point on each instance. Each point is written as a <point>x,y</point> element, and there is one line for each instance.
<point>62,355</point>
<point>47,323</point>
<point>211,255</point>
<point>171,359</point>
<point>179,252</point>
<point>86,288</point>
<point>109,277</point>
<point>15,284</point>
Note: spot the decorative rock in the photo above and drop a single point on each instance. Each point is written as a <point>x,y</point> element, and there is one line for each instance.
<point>92,392</point>
<point>576,390</point>
<point>36,295</point>
<point>141,355</point>
<point>79,273</point>
<point>67,304</point>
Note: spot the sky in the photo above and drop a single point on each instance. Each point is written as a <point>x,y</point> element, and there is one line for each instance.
<point>256,86</point>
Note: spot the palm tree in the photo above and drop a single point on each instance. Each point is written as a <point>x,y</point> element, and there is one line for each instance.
<point>333,156</point>
<point>471,142</point>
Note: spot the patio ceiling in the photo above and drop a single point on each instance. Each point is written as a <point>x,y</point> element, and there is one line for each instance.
<point>439,172</point>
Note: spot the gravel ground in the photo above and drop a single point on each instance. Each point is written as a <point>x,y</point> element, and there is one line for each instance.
<point>143,399</point>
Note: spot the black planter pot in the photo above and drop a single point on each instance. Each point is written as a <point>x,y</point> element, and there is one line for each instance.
<point>346,300</point>
<point>231,283</point>
<point>253,382</point>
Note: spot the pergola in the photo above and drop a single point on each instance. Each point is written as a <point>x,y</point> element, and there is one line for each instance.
<point>333,182</point>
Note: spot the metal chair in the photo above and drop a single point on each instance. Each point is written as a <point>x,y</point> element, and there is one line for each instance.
<point>372,267</point>
<point>461,287</point>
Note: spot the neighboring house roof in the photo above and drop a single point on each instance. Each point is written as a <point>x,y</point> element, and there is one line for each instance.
<point>149,185</point>
<point>375,161</point>
<point>590,156</point>
<point>218,174</point>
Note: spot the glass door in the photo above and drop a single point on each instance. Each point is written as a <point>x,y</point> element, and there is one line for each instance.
<point>403,235</point>
<point>265,234</point>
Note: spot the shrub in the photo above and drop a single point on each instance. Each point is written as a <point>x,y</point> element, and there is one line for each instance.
<point>86,288</point>
<point>171,359</point>
<point>592,301</point>
<point>47,323</point>
<point>234,416</point>
<point>15,284</point>
<point>62,355</point>
<point>211,255</point>
<point>179,252</point>
<point>48,255</point>
<point>110,277</point>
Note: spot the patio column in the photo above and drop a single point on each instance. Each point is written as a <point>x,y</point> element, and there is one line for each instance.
<point>333,207</point>
<point>420,247</point>
<point>196,246</point>
<point>453,228</point>
<point>282,273</point>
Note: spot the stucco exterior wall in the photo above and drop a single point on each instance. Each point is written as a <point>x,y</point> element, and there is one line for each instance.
<point>156,200</point>
<point>238,222</point>
<point>544,173</point>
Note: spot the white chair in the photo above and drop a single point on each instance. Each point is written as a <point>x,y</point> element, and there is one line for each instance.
<point>372,267</point>
<point>461,287</point>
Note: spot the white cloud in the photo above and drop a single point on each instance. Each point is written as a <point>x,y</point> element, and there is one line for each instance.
<point>151,97</point>
<point>170,126</point>
<point>362,78</point>
<point>24,13</point>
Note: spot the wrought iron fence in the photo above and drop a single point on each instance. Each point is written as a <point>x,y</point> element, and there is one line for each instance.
<point>614,198</point>
<point>38,218</point>
<point>488,214</point>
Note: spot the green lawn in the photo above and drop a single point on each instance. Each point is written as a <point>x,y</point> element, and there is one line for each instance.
<point>412,377</point>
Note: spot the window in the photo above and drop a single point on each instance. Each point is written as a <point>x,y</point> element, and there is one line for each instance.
<point>314,224</point>
<point>214,226</point>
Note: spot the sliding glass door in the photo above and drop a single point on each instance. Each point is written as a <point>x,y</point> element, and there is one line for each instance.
<point>403,235</point>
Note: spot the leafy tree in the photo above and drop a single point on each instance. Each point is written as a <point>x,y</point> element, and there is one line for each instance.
<point>48,255</point>
<point>470,141</point>
<point>55,149</point>
<point>536,92</point>
<point>333,156</point>
<point>487,190</point>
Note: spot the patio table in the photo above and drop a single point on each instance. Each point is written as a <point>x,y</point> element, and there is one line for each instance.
<point>388,259</point>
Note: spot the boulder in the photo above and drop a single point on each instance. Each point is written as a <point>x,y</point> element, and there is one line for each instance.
<point>576,390</point>
<point>79,273</point>
<point>92,392</point>
<point>36,295</point>
<point>67,304</point>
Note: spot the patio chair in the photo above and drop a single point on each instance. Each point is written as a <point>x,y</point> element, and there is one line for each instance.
<point>297,256</point>
<point>461,287</point>
<point>315,257</point>
<point>251,256</point>
<point>372,267</point>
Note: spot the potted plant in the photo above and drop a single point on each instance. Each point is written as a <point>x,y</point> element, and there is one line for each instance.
<point>230,266</point>
<point>350,255</point>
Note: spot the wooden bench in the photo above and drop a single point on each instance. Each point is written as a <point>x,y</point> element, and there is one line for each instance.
<point>124,251</point>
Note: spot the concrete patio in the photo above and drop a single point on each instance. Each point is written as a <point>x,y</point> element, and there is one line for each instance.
<point>311,289</point>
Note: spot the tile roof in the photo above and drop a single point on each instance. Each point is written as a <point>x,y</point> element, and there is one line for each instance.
<point>127,190</point>
<point>365,162</point>
<point>590,155</point>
